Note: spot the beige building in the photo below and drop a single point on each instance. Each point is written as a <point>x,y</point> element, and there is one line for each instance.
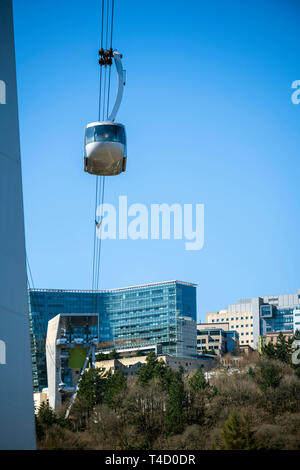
<point>131,365</point>
<point>217,338</point>
<point>246,349</point>
<point>240,320</point>
<point>39,398</point>
<point>272,337</point>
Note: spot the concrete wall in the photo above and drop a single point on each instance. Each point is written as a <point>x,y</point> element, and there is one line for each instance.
<point>16,392</point>
<point>131,365</point>
<point>53,362</point>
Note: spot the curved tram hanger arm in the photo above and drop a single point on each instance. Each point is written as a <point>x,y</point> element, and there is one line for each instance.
<point>121,83</point>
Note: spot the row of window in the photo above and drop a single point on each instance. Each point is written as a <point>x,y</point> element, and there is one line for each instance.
<point>231,319</point>
<point>242,326</point>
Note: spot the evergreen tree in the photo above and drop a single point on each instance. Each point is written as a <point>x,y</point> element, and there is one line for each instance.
<point>113,385</point>
<point>267,374</point>
<point>46,418</point>
<point>46,415</point>
<point>175,405</point>
<point>236,434</point>
<point>153,368</point>
<point>282,350</point>
<point>91,388</point>
<point>268,350</point>
<point>198,380</point>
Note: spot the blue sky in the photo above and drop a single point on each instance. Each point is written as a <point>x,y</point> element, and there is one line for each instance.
<point>209,119</point>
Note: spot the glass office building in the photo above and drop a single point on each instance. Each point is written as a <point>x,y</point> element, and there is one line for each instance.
<point>280,313</point>
<point>273,319</point>
<point>161,314</point>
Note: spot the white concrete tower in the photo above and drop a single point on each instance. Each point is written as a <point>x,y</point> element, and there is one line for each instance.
<point>16,395</point>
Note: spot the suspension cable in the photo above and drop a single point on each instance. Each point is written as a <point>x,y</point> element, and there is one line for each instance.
<point>95,231</point>
<point>111,37</point>
<point>100,240</point>
<point>107,23</point>
<point>41,325</point>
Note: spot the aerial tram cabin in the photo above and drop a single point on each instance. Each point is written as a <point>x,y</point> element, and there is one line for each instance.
<point>105,148</point>
<point>105,141</point>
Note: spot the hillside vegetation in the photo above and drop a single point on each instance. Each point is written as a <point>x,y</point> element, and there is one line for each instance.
<point>254,405</point>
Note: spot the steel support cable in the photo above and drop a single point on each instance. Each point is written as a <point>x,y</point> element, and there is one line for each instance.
<point>41,325</point>
<point>100,240</point>
<point>96,244</point>
<point>31,287</point>
<point>105,72</point>
<point>111,37</point>
<point>96,254</point>
<point>42,329</point>
<point>100,94</point>
<point>98,198</point>
<point>106,93</point>
<point>102,19</point>
<point>107,25</point>
<point>112,22</point>
<point>104,96</point>
<point>98,180</point>
<point>94,251</point>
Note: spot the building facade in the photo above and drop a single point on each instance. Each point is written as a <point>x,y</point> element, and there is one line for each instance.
<point>154,315</point>
<point>217,338</point>
<point>240,317</point>
<point>273,337</point>
<point>70,343</point>
<point>256,317</point>
<point>280,313</point>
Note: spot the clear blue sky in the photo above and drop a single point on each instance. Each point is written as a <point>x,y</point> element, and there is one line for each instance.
<point>209,120</point>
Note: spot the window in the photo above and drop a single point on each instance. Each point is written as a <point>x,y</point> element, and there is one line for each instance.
<point>89,135</point>
<point>105,133</point>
